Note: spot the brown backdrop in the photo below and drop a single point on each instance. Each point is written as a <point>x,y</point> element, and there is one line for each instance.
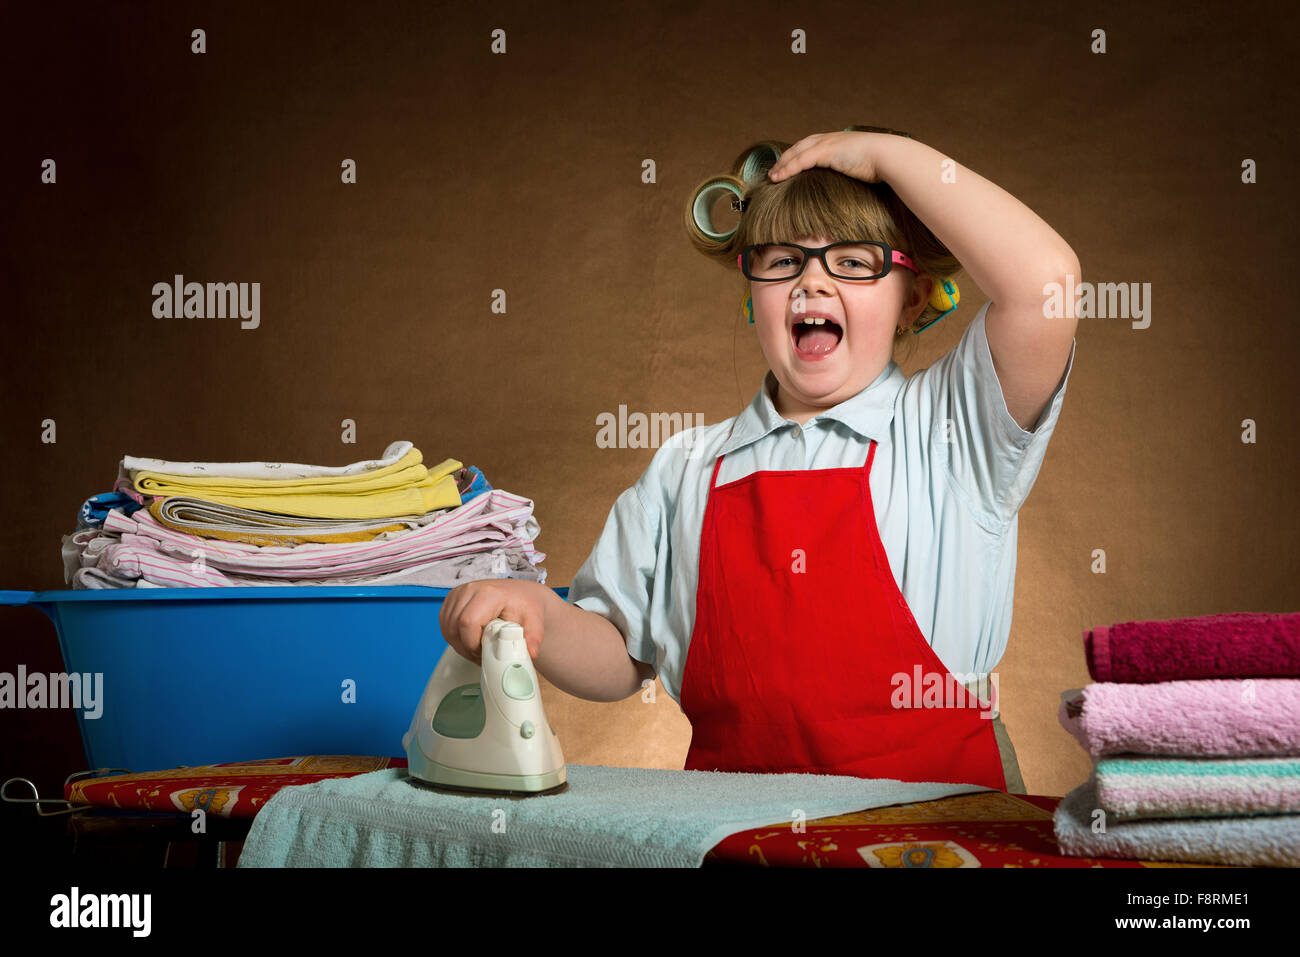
<point>522,172</point>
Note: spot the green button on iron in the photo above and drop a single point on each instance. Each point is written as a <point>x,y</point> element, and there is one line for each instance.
<point>516,683</point>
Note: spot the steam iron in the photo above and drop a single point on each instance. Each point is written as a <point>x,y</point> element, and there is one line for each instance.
<point>483,729</point>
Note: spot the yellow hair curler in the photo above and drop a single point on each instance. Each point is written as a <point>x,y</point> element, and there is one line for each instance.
<point>944,298</point>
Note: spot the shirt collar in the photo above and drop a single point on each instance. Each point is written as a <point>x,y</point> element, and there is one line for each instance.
<point>868,413</point>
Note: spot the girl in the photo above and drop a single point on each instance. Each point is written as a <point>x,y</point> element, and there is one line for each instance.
<point>800,574</point>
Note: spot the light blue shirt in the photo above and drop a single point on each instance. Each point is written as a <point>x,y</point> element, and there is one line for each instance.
<point>946,500</point>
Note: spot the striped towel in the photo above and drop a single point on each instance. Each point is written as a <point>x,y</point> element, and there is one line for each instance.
<point>1136,786</point>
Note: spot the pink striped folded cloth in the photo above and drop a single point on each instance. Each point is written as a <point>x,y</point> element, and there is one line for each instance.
<point>493,520</point>
<point>1135,786</point>
<point>1247,717</point>
<point>1235,645</point>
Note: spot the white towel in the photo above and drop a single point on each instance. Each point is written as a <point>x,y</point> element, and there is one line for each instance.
<point>264,470</point>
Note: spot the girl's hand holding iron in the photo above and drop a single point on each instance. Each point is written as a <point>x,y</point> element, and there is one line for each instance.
<point>469,607</point>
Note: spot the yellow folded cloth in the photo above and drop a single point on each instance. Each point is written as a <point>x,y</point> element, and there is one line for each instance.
<point>405,488</point>
<point>273,538</point>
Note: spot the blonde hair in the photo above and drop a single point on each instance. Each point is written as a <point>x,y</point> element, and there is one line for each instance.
<point>821,202</point>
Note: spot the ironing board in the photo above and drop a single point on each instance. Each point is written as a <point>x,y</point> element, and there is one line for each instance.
<point>987,829</point>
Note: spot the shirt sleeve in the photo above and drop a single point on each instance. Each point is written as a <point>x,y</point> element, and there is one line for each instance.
<point>991,461</point>
<point>618,578</point>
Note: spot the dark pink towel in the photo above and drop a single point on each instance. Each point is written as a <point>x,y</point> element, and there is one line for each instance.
<point>1235,645</point>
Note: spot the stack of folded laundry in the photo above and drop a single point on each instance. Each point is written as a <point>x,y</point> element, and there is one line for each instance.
<point>1194,728</point>
<point>386,521</point>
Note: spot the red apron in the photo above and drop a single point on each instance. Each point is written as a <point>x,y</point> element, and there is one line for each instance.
<point>800,630</point>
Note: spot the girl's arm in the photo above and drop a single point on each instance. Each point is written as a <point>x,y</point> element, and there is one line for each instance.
<point>1009,252</point>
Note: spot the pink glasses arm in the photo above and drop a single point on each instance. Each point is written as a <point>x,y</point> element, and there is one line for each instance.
<point>903,260</point>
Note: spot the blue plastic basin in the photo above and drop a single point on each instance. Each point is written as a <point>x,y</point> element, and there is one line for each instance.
<point>210,675</point>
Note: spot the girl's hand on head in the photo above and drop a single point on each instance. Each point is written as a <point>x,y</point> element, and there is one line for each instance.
<point>850,153</point>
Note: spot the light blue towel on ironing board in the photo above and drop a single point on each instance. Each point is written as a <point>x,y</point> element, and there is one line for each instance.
<point>608,817</point>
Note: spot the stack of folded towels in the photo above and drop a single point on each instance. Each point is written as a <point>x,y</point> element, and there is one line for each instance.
<point>385,521</point>
<point>1194,728</point>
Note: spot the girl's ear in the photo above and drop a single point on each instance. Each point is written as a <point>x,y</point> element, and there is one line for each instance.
<point>914,305</point>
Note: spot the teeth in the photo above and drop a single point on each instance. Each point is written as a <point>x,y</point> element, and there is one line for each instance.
<point>815,322</point>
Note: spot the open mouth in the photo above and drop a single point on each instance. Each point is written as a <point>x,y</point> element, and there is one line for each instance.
<point>816,337</point>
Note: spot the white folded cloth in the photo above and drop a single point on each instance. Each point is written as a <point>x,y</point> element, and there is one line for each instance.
<point>265,470</point>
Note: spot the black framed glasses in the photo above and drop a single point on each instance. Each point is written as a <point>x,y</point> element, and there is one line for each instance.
<point>858,260</point>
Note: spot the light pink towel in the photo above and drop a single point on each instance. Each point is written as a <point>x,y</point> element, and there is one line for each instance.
<point>1227,717</point>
